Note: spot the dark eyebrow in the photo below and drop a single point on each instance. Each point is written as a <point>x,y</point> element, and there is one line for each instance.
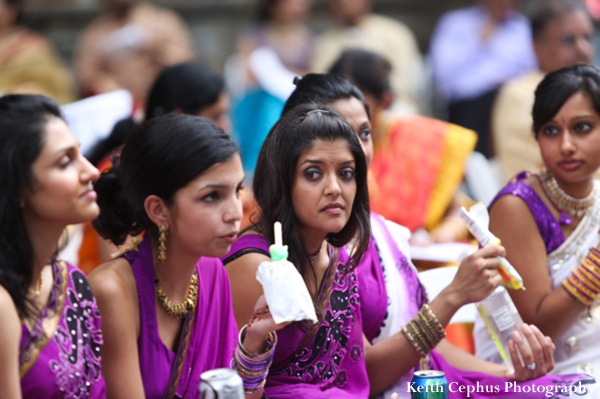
<point>221,186</point>
<point>313,161</point>
<point>65,150</point>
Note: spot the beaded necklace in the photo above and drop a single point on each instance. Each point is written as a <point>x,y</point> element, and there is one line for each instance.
<point>566,204</point>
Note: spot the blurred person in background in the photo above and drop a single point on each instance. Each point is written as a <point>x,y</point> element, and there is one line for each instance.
<point>29,63</point>
<point>268,56</point>
<point>418,162</point>
<point>128,46</point>
<point>188,88</point>
<point>562,32</point>
<point>475,50</point>
<point>359,27</point>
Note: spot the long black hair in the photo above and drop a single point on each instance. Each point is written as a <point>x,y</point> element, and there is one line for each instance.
<point>163,155</point>
<point>322,89</point>
<point>558,86</point>
<point>294,134</point>
<point>23,120</point>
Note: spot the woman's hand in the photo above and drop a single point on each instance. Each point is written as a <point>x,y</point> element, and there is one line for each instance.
<point>477,275</point>
<point>259,326</point>
<point>537,357</point>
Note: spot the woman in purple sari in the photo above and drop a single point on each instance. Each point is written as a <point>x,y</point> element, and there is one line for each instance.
<point>50,336</point>
<point>391,294</point>
<point>311,176</point>
<point>166,302</point>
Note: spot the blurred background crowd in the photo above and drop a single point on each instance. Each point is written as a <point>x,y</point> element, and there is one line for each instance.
<point>473,63</point>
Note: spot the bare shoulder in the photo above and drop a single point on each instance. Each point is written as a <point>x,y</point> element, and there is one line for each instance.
<point>113,285</point>
<point>114,277</point>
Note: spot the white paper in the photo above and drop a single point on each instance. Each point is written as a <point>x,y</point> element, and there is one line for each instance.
<point>446,252</point>
<point>285,292</point>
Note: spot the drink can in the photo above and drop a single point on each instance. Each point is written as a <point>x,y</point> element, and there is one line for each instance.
<point>429,384</point>
<point>221,384</point>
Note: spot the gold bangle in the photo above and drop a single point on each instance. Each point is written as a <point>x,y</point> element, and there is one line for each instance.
<point>407,330</point>
<point>579,285</point>
<point>271,342</point>
<point>437,327</point>
<point>566,284</point>
<point>591,272</point>
<point>584,276</point>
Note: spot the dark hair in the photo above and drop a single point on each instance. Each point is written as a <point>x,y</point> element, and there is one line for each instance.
<point>369,71</point>
<point>322,89</point>
<point>558,86</point>
<point>294,134</point>
<point>189,87</point>
<point>161,156</point>
<point>543,12</point>
<point>265,10</point>
<point>23,120</point>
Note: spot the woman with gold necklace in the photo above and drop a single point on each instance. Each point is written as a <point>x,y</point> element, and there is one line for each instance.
<point>50,338</point>
<point>549,223</point>
<point>166,304</point>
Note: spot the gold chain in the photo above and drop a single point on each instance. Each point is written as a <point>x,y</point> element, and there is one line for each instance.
<point>178,310</point>
<point>36,293</point>
<point>574,207</point>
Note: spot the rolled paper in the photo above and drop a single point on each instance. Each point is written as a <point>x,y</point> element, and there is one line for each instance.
<point>478,222</point>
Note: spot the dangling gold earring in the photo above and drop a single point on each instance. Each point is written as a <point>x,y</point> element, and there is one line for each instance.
<point>162,244</point>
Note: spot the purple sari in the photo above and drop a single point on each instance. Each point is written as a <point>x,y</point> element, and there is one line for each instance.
<point>208,338</point>
<point>327,362</point>
<point>60,357</point>
<point>375,307</point>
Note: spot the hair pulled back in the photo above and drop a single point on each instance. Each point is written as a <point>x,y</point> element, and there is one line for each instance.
<point>163,155</point>
<point>322,89</point>
<point>294,134</point>
<point>558,86</point>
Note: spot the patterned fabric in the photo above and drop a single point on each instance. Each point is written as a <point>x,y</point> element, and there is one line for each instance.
<point>547,224</point>
<point>208,338</point>
<point>326,361</point>
<point>577,350</point>
<point>419,163</point>
<point>392,241</point>
<point>60,357</point>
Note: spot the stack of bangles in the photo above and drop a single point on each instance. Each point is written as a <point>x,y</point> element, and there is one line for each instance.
<point>253,368</point>
<point>584,283</point>
<point>424,331</point>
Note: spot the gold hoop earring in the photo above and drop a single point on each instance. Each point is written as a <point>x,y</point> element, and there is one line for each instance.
<point>162,244</point>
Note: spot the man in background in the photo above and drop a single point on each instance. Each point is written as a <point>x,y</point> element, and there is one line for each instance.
<point>562,32</point>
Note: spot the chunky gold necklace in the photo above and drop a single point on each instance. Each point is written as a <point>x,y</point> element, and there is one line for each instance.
<point>574,207</point>
<point>178,310</point>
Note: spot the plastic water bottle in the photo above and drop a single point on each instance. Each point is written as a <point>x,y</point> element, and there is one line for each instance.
<point>501,318</point>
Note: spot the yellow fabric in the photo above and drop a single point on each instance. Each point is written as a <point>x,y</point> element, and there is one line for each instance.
<point>29,64</point>
<point>459,143</point>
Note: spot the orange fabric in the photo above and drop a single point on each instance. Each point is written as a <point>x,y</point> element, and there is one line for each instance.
<point>89,252</point>
<point>461,335</point>
<point>405,165</point>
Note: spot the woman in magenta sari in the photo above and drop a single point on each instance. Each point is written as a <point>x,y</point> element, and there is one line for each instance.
<point>166,302</point>
<point>50,336</point>
<point>311,175</point>
<point>391,294</point>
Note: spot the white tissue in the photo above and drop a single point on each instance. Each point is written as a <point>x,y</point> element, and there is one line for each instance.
<point>285,292</point>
